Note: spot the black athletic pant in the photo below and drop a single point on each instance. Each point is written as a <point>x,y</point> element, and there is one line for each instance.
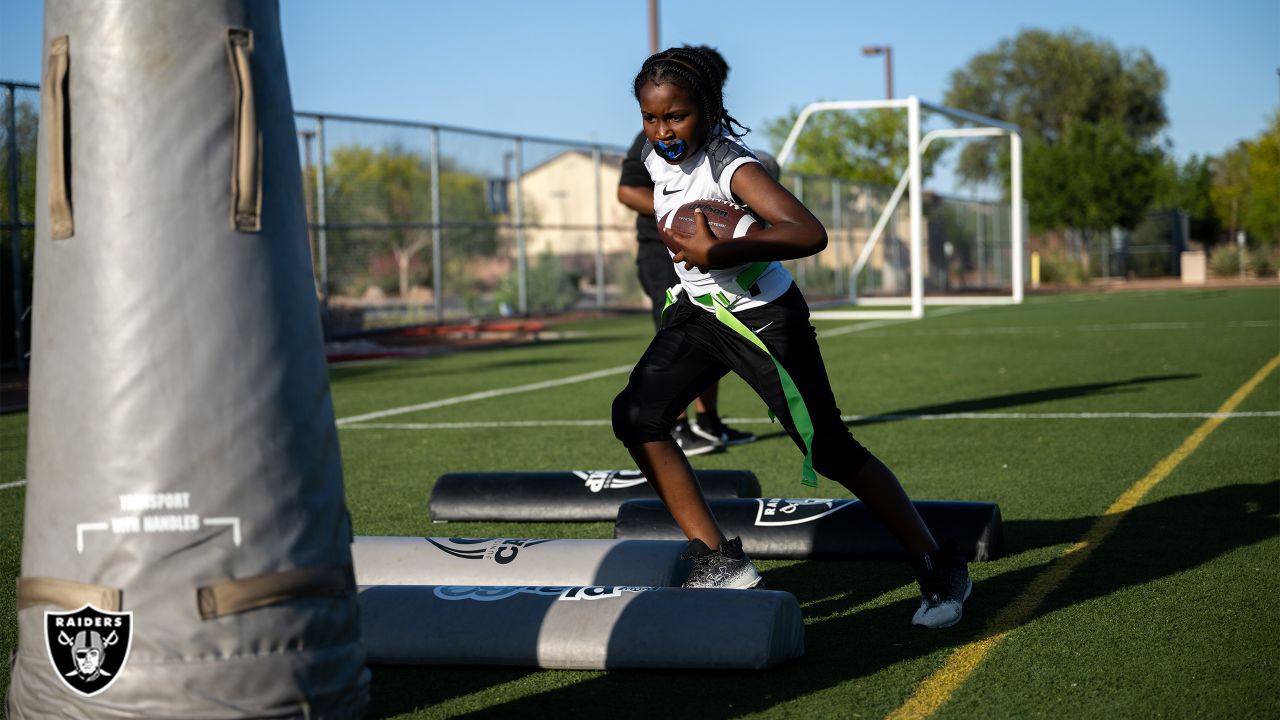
<point>694,349</point>
<point>657,274</point>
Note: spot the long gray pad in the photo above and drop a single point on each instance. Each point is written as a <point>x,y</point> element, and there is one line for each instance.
<point>580,628</point>
<point>183,465</point>
<point>837,529</point>
<point>518,561</point>
<point>570,495</point>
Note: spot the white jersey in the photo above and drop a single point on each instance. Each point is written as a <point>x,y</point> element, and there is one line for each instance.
<point>708,174</point>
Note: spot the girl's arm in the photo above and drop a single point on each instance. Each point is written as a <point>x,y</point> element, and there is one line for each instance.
<point>793,231</point>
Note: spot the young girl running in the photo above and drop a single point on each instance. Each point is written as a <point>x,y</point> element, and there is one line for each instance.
<point>737,309</point>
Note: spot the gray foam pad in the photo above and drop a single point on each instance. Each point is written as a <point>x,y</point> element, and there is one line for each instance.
<point>809,528</point>
<point>581,628</point>
<point>517,561</point>
<point>569,495</point>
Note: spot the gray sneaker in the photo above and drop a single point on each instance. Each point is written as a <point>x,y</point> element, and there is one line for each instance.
<point>944,586</point>
<point>691,443</point>
<point>722,434</point>
<point>727,567</point>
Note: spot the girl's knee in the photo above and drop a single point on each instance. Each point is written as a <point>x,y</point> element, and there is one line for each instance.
<point>636,422</point>
<point>838,455</point>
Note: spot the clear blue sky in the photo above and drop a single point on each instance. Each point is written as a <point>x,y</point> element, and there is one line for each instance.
<point>562,68</point>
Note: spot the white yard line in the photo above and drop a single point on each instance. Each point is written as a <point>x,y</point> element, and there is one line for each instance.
<point>584,377</point>
<point>10,485</point>
<point>479,424</point>
<point>872,325</point>
<point>1118,327</point>
<point>834,332</point>
<point>486,394</point>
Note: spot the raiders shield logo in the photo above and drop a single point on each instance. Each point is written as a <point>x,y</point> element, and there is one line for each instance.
<point>88,647</point>
<point>597,480</point>
<point>788,511</point>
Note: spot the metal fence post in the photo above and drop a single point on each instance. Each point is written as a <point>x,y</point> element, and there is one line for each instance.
<point>802,262</point>
<point>322,236</point>
<point>600,295</point>
<point>437,252</point>
<point>836,222</point>
<point>522,270</point>
<point>15,228</point>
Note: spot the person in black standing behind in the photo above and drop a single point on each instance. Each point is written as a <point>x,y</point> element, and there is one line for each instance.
<point>708,432</point>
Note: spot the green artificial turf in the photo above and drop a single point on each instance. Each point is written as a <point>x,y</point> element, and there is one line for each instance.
<point>1173,615</point>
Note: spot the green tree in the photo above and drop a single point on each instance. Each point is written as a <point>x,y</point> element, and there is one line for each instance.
<point>1048,83</point>
<point>863,147</point>
<point>1246,186</point>
<point>1186,187</point>
<point>383,196</point>
<point>550,289</point>
<point>1094,178</point>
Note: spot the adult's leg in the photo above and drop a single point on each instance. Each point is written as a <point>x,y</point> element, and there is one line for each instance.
<point>657,274</point>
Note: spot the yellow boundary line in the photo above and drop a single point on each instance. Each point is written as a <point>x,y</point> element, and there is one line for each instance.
<point>938,687</point>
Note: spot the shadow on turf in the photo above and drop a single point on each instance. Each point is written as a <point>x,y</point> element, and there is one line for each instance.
<point>1008,400</point>
<point>1155,541</point>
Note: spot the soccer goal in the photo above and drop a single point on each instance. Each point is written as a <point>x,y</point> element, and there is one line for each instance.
<point>922,260</point>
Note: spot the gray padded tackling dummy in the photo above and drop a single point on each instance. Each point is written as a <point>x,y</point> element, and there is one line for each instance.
<point>518,561</point>
<point>826,528</point>
<point>581,628</point>
<point>184,475</point>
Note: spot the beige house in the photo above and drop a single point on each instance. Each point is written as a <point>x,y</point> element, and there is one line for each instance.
<point>560,205</point>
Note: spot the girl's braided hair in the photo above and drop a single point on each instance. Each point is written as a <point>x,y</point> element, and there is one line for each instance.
<point>699,70</point>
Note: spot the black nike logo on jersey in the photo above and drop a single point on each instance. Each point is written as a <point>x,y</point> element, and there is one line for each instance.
<point>673,192</point>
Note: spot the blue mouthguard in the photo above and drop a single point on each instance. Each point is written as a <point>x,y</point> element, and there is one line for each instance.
<point>672,151</point>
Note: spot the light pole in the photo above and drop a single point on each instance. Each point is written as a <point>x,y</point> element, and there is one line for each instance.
<point>653,27</point>
<point>887,51</point>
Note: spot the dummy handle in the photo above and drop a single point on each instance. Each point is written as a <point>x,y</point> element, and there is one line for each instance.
<point>246,155</point>
<point>57,126</point>
<point>230,597</point>
<point>36,591</point>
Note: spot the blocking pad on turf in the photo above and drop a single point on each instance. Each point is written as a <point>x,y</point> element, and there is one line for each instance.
<point>581,628</point>
<point>518,561</point>
<point>812,528</point>
<point>570,495</point>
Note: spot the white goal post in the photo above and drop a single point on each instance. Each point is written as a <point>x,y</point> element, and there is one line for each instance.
<point>911,182</point>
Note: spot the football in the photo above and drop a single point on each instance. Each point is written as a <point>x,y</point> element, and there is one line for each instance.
<point>726,220</point>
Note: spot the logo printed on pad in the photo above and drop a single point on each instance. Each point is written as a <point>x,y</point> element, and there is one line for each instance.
<point>499,550</point>
<point>489,593</point>
<point>597,480</point>
<point>784,511</point>
<point>88,647</point>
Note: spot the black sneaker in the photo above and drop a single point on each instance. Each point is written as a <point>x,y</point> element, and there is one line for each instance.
<point>944,586</point>
<point>691,443</point>
<point>727,567</point>
<point>723,434</point>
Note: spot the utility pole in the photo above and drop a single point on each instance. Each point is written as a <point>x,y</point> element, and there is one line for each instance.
<point>653,27</point>
<point>887,51</point>
<point>308,189</point>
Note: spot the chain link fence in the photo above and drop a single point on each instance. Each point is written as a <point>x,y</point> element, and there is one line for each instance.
<point>19,121</point>
<point>416,223</point>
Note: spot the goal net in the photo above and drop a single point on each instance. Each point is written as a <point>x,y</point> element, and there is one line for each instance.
<point>892,251</point>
